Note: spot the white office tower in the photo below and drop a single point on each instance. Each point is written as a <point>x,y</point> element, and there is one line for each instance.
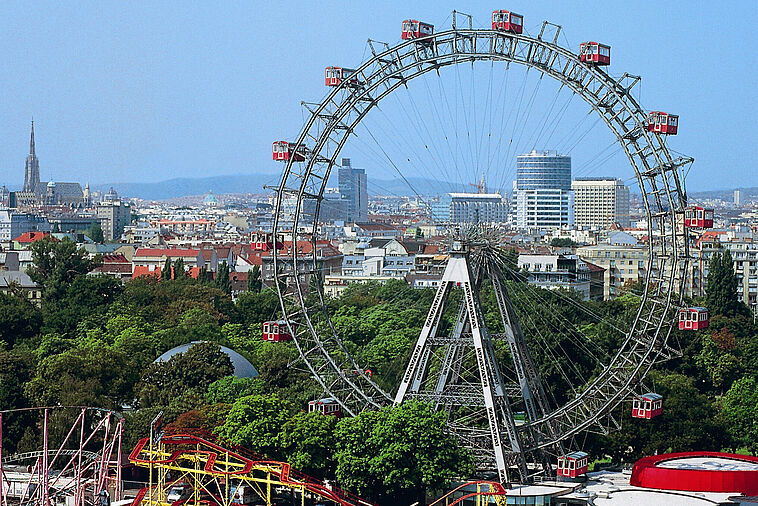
<point>470,208</point>
<point>542,197</point>
<point>600,202</point>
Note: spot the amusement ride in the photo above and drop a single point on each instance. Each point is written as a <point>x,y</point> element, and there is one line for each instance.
<point>513,422</point>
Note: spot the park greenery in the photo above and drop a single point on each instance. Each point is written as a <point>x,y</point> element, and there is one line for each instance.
<point>93,341</point>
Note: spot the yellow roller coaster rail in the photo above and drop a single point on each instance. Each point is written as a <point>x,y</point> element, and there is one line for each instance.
<point>486,492</point>
<point>214,474</point>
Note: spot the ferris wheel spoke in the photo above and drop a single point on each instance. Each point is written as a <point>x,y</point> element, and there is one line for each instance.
<point>505,167</point>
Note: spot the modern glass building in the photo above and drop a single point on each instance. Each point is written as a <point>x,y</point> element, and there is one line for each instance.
<point>352,185</point>
<point>542,197</point>
<point>543,170</point>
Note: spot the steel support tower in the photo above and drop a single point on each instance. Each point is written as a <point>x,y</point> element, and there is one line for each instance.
<point>460,374</point>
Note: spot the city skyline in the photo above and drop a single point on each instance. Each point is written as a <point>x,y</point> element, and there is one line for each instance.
<point>131,102</point>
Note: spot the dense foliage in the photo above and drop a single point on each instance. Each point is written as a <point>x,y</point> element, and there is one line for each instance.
<point>94,341</point>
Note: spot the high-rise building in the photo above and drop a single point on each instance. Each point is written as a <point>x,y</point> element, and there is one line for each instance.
<point>600,202</point>
<point>542,197</point>
<point>114,215</point>
<point>737,197</point>
<point>31,171</point>
<point>352,185</point>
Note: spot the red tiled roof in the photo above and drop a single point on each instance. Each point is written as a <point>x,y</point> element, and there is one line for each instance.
<point>375,226</point>
<point>593,267</point>
<point>431,249</point>
<point>167,252</point>
<point>30,237</point>
<point>115,258</point>
<point>144,270</point>
<point>114,269</point>
<point>252,258</point>
<point>238,276</point>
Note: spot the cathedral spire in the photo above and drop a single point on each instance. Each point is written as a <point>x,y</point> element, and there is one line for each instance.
<point>31,140</point>
<point>31,172</point>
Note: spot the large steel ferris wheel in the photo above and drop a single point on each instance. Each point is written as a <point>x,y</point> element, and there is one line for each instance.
<point>658,175</point>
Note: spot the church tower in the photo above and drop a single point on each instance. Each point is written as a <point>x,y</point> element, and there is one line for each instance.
<point>31,173</point>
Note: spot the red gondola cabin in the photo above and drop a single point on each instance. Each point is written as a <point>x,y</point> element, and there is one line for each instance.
<point>276,331</point>
<point>336,75</point>
<point>698,217</point>
<point>647,405</point>
<point>595,53</point>
<point>325,406</point>
<point>693,318</point>
<point>283,151</point>
<point>413,29</point>
<point>663,123</point>
<point>506,21</point>
<point>572,465</point>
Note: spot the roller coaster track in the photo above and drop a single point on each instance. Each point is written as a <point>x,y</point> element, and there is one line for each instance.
<point>208,467</point>
<point>485,490</point>
<point>17,457</point>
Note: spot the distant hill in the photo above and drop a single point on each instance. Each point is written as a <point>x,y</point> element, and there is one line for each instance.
<point>183,186</point>
<point>253,183</point>
<point>750,193</point>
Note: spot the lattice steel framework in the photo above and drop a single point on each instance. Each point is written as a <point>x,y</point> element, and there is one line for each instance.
<point>332,121</point>
<point>82,468</point>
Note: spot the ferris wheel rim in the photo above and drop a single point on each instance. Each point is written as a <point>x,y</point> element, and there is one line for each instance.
<point>616,90</point>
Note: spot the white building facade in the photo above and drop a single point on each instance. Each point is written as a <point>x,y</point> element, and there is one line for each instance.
<point>470,208</point>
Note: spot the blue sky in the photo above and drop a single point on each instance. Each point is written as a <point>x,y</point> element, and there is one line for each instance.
<point>145,91</point>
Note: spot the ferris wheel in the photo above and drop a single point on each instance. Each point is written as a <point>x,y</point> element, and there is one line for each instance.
<point>494,376</point>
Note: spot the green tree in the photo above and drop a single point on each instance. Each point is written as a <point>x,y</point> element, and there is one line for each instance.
<point>721,286</point>
<point>397,454</point>
<point>222,278</point>
<point>95,232</point>
<point>230,388</point>
<point>78,299</point>
<point>203,276</point>
<point>179,271</point>
<point>188,372</point>
<point>308,443</point>
<point>257,308</point>
<point>56,264</point>
<point>719,357</point>
<point>255,421</point>
<point>688,422</point>
<point>15,370</point>
<point>254,283</point>
<point>167,270</point>
<point>19,319</point>
<point>739,410</point>
<point>81,377</point>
